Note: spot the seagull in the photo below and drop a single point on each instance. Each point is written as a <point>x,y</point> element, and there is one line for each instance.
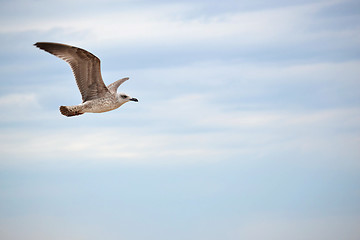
<point>97,97</point>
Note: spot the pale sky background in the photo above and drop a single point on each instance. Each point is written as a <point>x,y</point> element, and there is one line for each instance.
<point>247,125</point>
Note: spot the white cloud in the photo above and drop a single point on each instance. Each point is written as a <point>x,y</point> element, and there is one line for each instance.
<point>18,101</point>
<point>220,136</point>
<point>22,108</point>
<point>169,24</point>
<point>240,75</point>
<point>15,107</point>
<point>105,145</point>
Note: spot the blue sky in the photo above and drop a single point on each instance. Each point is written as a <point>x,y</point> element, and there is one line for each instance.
<point>247,125</point>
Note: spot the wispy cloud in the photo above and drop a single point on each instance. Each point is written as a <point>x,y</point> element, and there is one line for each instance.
<point>219,136</point>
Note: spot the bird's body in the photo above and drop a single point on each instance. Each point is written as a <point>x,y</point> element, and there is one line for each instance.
<point>97,97</point>
<point>104,104</point>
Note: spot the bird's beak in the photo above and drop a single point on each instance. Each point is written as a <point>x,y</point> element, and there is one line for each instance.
<point>134,99</point>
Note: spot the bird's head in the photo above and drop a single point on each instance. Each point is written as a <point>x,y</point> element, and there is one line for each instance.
<point>126,98</point>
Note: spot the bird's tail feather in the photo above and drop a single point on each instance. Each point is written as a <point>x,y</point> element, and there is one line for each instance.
<point>70,111</point>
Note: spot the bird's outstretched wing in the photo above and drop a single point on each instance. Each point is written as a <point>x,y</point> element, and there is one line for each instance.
<point>115,85</point>
<point>85,66</point>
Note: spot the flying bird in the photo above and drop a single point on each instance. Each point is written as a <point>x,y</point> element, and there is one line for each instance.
<point>97,97</point>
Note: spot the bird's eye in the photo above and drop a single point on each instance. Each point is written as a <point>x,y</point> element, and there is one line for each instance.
<point>123,96</point>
